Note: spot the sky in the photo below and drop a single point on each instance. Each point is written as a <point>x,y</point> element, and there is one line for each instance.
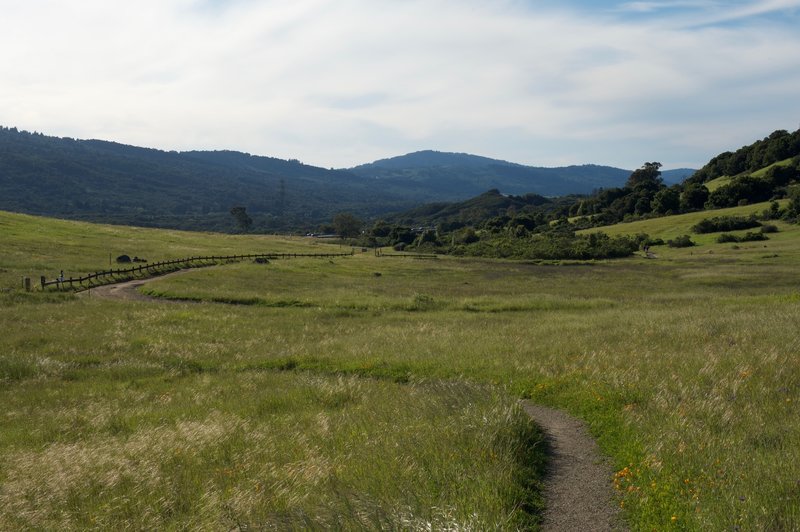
<point>337,83</point>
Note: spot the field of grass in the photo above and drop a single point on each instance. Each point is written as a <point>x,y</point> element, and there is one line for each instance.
<point>684,367</point>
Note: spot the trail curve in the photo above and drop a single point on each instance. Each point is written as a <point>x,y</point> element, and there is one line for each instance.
<point>578,492</point>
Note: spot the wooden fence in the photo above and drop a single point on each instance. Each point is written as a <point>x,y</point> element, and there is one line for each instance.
<point>159,268</point>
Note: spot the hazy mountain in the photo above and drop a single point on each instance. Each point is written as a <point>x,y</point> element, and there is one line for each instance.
<point>677,175</point>
<point>458,176</point>
<point>111,182</point>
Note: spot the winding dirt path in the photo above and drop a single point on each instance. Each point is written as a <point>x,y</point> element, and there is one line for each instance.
<point>578,486</point>
<point>578,491</point>
<point>129,290</point>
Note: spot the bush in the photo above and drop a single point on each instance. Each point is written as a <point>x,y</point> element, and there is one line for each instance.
<point>643,239</point>
<point>468,236</point>
<point>552,246</point>
<point>769,228</point>
<point>682,241</point>
<point>724,223</point>
<point>750,236</point>
<point>773,213</point>
<point>724,238</point>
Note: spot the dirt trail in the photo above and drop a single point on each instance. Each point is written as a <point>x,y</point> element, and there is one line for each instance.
<point>578,490</point>
<point>128,290</point>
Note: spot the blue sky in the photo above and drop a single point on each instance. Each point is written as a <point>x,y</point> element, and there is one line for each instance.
<point>339,83</point>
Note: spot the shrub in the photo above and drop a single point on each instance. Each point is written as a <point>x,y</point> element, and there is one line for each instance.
<point>643,239</point>
<point>769,228</point>
<point>724,238</point>
<point>682,241</point>
<point>552,246</point>
<point>750,236</point>
<point>724,223</point>
<point>773,213</point>
<point>468,236</point>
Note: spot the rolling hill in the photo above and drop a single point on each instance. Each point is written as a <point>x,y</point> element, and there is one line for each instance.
<point>103,181</point>
<point>459,175</point>
<point>110,182</point>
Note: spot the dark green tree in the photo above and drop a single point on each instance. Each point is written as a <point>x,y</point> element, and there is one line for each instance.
<point>666,200</point>
<point>347,225</point>
<point>693,197</point>
<point>243,220</point>
<point>646,179</point>
<point>381,229</point>
<point>401,235</point>
<point>793,209</point>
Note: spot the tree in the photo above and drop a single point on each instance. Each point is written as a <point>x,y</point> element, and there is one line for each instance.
<point>647,178</point>
<point>693,197</point>
<point>381,229</point>
<point>243,221</point>
<point>793,209</point>
<point>347,225</point>
<point>666,200</point>
<point>743,188</point>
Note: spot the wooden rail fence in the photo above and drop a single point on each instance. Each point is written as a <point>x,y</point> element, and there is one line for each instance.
<point>159,268</point>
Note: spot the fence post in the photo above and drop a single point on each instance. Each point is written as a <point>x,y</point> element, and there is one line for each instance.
<point>27,284</point>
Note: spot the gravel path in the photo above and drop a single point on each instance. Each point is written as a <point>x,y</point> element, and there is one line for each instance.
<point>578,490</point>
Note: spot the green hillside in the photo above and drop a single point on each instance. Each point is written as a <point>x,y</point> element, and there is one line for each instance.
<point>721,181</point>
<point>679,224</point>
<point>34,246</point>
<point>778,146</point>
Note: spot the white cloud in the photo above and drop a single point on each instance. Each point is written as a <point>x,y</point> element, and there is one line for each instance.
<point>340,83</point>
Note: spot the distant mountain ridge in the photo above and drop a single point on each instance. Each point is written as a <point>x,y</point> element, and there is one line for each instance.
<point>110,182</point>
<point>457,175</point>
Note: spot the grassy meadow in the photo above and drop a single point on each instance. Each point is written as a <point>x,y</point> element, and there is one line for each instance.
<point>367,392</point>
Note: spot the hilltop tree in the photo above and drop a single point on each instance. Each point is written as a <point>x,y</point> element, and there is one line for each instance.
<point>646,179</point>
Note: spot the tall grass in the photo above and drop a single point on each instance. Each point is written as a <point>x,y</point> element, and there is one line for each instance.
<point>685,367</point>
<point>261,450</point>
